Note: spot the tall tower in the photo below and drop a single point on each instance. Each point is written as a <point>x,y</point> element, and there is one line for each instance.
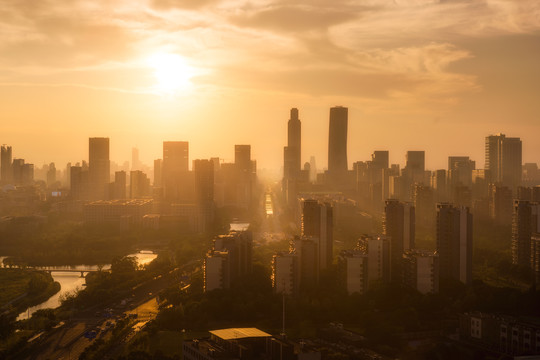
<point>399,226</point>
<point>6,169</point>
<point>318,224</point>
<point>337,141</point>
<point>503,160</point>
<point>454,242</point>
<point>292,155</point>
<point>99,166</point>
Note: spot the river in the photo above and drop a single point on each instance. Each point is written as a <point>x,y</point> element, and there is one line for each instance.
<point>72,281</point>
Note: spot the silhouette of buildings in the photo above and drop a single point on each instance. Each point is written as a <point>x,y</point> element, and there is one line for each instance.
<point>454,242</point>
<point>421,271</point>
<point>175,172</point>
<point>503,160</point>
<point>525,223</point>
<point>6,169</point>
<point>318,225</point>
<point>99,167</point>
<point>399,227</point>
<point>337,144</point>
<point>229,260</point>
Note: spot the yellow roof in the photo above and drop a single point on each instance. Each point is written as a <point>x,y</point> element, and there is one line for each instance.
<point>239,333</point>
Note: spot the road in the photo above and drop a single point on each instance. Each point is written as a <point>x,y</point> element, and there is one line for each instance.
<point>271,229</point>
<point>68,341</point>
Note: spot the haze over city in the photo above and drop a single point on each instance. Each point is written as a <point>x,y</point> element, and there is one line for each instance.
<point>268,180</point>
<point>419,74</point>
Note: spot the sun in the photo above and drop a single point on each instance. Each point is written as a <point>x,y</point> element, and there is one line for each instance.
<point>172,73</point>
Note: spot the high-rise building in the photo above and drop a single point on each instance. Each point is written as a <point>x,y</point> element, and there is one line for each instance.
<point>399,227</point>
<point>500,204</point>
<point>424,203</point>
<point>318,224</point>
<point>535,258</point>
<point>503,159</point>
<point>525,222</point>
<point>421,271</point>
<point>6,169</point>
<point>414,171</point>
<point>204,192</point>
<point>454,242</point>
<point>175,171</point>
<point>135,161</point>
<point>306,249</point>
<point>99,166</point>
<point>285,273</point>
<point>158,165</point>
<point>460,170</point>
<point>292,152</point>
<point>379,266</point>
<point>356,270</point>
<point>120,182</point>
<point>337,141</point>
<point>242,158</point>
<point>51,175</point>
<point>139,184</point>
<point>229,260</point>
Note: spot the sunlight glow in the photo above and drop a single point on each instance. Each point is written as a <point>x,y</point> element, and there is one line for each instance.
<point>172,73</point>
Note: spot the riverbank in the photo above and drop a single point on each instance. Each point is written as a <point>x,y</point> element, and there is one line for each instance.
<point>22,288</point>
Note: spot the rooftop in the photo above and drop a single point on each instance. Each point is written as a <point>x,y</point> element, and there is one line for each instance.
<point>239,333</point>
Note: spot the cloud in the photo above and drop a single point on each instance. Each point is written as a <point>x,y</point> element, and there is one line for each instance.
<point>293,18</point>
<point>182,4</point>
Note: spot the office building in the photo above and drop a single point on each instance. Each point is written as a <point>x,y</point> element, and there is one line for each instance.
<point>242,158</point>
<point>318,224</point>
<point>460,170</point>
<point>399,227</point>
<point>99,167</point>
<point>117,211</point>
<point>500,204</point>
<point>454,242</point>
<point>6,170</point>
<point>139,185</point>
<point>503,160</point>
<point>177,187</point>
<point>119,185</point>
<point>292,152</point>
<point>337,142</point>
<point>204,193</point>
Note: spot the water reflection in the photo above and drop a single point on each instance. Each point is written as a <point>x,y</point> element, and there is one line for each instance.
<point>72,281</point>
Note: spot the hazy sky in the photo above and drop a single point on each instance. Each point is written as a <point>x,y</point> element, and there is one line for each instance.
<point>434,75</point>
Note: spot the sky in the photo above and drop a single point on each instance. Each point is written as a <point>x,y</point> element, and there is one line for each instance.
<point>433,75</point>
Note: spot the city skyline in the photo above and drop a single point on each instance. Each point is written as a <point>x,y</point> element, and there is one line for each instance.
<point>144,72</point>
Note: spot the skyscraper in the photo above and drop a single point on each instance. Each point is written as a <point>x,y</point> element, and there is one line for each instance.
<point>318,224</point>
<point>525,222</point>
<point>292,152</point>
<point>454,242</point>
<point>99,166</point>
<point>242,158</point>
<point>399,226</point>
<point>175,177</point>
<point>204,193</point>
<point>503,160</point>
<point>337,141</point>
<point>6,169</point>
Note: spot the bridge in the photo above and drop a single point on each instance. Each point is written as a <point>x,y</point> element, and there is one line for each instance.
<point>68,269</point>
